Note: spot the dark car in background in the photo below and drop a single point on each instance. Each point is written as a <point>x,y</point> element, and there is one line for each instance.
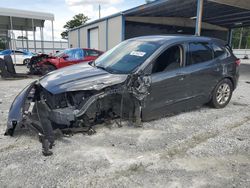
<point>64,58</point>
<point>141,79</point>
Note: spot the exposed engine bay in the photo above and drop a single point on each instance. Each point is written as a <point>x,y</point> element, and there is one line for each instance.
<point>78,110</point>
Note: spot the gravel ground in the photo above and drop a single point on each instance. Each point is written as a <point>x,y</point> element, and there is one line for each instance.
<point>202,148</point>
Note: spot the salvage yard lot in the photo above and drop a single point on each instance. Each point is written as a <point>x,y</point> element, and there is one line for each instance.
<point>205,147</point>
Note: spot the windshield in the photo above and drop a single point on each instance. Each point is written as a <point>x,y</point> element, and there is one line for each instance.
<point>126,57</point>
<point>60,54</point>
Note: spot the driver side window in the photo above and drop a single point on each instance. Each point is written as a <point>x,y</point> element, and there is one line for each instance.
<point>170,59</point>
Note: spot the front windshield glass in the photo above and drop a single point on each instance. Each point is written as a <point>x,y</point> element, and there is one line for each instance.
<point>126,57</point>
<point>60,54</point>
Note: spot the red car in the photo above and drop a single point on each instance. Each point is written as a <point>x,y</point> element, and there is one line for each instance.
<point>67,57</point>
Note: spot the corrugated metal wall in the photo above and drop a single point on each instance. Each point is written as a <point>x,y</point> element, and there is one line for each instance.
<point>115,31</point>
<point>110,34</point>
<point>84,38</point>
<point>73,39</point>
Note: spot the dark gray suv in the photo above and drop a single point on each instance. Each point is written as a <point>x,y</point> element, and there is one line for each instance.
<point>139,80</point>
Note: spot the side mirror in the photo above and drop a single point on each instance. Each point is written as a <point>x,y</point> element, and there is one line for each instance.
<point>65,56</point>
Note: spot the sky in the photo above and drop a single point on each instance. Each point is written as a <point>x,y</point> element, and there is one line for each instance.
<point>64,10</point>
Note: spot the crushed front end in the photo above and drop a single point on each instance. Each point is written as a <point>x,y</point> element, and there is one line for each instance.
<point>74,111</point>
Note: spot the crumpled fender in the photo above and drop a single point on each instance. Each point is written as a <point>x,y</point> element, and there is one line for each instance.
<point>15,116</point>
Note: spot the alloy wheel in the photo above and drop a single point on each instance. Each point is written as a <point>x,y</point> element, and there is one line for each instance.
<point>223,94</point>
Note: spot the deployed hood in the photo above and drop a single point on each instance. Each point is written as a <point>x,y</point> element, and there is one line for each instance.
<point>79,77</point>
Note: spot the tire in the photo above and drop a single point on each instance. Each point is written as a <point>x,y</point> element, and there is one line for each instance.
<point>26,61</point>
<point>48,68</point>
<point>222,94</point>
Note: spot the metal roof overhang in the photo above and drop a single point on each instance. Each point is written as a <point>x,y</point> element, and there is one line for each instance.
<point>223,13</point>
<point>22,19</point>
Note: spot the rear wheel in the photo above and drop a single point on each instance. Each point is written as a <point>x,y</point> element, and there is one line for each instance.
<point>48,68</point>
<point>26,61</point>
<point>222,94</point>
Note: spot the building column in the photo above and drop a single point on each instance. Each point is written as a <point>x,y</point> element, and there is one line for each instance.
<point>42,39</point>
<point>53,38</point>
<point>27,40</point>
<point>22,41</point>
<point>12,42</point>
<point>34,34</point>
<point>199,17</point>
<point>229,37</point>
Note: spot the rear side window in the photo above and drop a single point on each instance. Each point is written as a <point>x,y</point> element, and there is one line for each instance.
<point>18,52</point>
<point>92,53</point>
<point>199,53</point>
<point>218,51</point>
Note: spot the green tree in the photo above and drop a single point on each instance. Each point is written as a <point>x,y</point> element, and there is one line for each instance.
<point>77,20</point>
<point>241,38</point>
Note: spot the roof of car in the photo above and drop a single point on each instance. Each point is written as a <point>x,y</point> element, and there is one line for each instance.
<point>82,49</point>
<point>161,39</point>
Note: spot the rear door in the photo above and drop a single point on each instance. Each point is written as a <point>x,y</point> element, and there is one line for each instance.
<point>18,56</point>
<point>205,71</point>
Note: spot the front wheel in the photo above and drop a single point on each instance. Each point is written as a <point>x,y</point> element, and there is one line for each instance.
<point>222,94</point>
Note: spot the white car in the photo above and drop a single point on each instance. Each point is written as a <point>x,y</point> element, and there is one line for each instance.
<point>18,56</point>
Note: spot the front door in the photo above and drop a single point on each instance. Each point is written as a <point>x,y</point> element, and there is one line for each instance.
<point>169,89</point>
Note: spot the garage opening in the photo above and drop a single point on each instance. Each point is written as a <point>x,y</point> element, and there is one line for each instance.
<point>136,29</point>
<point>94,38</point>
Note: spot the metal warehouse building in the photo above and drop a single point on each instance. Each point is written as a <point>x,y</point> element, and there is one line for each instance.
<point>216,17</point>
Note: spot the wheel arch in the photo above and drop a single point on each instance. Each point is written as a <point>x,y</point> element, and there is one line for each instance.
<point>231,79</point>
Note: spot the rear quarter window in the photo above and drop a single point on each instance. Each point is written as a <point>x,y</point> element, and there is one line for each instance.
<point>218,51</point>
<point>92,53</point>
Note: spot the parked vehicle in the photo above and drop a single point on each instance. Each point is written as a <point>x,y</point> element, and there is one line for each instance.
<point>65,58</point>
<point>18,56</point>
<point>32,65</point>
<point>141,79</point>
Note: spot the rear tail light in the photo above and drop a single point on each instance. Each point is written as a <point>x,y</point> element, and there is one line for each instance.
<point>237,62</point>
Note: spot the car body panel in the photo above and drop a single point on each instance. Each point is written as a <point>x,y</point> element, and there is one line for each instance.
<point>71,95</point>
<point>79,77</point>
<point>16,110</point>
<point>17,55</point>
<point>60,62</point>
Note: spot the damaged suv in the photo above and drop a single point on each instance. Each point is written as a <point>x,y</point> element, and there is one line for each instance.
<point>141,79</point>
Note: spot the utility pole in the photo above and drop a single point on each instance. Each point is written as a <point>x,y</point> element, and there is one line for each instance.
<point>99,11</point>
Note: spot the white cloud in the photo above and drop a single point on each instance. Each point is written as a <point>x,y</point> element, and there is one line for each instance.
<point>88,2</point>
<point>90,7</point>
